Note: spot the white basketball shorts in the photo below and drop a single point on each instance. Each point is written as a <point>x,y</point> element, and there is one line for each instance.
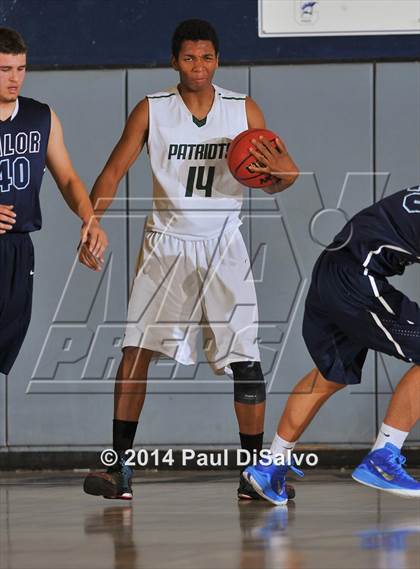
<point>184,287</point>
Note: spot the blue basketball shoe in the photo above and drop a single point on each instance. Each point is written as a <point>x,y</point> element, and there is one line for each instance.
<point>383,469</point>
<point>270,481</point>
<point>247,492</point>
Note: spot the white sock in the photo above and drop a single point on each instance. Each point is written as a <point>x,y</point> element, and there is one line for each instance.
<point>389,434</point>
<point>280,446</point>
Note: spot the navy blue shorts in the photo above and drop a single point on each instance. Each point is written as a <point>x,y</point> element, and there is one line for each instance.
<point>16,283</point>
<point>347,312</point>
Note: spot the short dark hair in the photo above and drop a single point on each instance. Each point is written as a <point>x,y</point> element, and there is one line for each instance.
<point>11,42</point>
<point>193,30</point>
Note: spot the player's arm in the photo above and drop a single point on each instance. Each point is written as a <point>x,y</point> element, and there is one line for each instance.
<point>122,157</point>
<point>275,161</point>
<point>72,188</point>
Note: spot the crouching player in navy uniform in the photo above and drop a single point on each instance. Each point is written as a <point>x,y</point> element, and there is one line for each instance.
<point>30,138</point>
<point>350,308</point>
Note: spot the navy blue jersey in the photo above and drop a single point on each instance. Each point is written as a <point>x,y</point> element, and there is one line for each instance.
<point>385,237</point>
<point>23,149</point>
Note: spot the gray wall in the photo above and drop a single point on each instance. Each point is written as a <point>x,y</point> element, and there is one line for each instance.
<point>341,123</point>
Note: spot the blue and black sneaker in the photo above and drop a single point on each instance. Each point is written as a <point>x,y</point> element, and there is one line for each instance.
<point>115,483</point>
<point>270,481</point>
<point>247,492</point>
<point>383,469</point>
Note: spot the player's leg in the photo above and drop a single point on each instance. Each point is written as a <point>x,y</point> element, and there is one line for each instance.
<point>130,384</point>
<point>161,302</point>
<point>230,309</point>
<point>339,362</point>
<point>129,396</point>
<point>404,409</point>
<point>16,286</point>
<point>249,400</point>
<point>383,467</point>
<point>307,397</point>
<point>249,403</point>
<point>392,326</point>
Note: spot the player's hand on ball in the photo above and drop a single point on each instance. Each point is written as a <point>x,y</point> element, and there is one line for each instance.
<point>7,218</point>
<point>275,160</point>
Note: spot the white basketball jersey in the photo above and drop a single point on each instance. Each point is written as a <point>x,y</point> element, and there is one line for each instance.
<point>194,194</point>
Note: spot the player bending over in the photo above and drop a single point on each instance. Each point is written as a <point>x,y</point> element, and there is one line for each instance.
<point>350,308</point>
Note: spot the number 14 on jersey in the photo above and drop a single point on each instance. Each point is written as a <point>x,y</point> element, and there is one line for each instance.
<point>200,178</point>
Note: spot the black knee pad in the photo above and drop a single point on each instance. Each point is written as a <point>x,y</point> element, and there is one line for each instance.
<point>249,384</point>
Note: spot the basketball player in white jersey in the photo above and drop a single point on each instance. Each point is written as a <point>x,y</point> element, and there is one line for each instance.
<point>193,272</point>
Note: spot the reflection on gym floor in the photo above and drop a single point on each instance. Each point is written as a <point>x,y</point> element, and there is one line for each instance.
<point>185,520</point>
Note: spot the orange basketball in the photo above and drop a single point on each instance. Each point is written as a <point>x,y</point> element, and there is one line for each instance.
<point>240,159</point>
